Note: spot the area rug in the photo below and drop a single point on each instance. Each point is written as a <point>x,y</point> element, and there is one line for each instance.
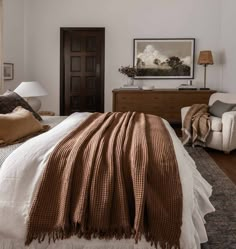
<point>221,225</point>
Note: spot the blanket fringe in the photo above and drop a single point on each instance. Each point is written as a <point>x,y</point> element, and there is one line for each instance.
<point>92,233</point>
<point>161,244</point>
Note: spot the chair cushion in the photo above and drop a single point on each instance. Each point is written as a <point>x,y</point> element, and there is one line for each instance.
<point>234,109</point>
<point>219,108</point>
<point>216,123</point>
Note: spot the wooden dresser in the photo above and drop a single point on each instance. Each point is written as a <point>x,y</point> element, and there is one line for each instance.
<point>166,103</point>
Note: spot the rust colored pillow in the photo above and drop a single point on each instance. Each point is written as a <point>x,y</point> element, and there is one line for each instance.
<point>10,100</point>
<point>18,124</point>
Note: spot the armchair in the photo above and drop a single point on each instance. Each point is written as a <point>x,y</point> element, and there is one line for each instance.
<point>223,130</point>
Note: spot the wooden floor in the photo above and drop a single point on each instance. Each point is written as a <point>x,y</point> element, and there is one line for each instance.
<point>227,162</point>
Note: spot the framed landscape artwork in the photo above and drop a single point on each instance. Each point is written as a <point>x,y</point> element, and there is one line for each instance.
<point>164,58</point>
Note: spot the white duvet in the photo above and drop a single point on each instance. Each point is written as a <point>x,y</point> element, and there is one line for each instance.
<point>21,172</point>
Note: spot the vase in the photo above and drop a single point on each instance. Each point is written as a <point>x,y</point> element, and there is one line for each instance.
<point>130,81</point>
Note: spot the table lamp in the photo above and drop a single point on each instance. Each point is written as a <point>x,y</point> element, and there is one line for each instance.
<point>205,58</point>
<point>30,91</point>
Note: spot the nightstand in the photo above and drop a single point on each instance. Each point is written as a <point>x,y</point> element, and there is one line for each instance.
<point>46,113</point>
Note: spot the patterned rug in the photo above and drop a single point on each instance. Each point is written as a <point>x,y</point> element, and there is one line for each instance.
<point>221,225</point>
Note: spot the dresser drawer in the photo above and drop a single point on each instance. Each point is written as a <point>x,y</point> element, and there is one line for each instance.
<point>139,98</point>
<point>124,107</point>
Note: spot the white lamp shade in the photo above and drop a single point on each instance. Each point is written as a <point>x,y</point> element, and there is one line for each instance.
<point>30,89</point>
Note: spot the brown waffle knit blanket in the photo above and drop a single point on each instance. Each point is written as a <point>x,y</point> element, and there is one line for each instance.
<point>196,125</point>
<point>116,175</point>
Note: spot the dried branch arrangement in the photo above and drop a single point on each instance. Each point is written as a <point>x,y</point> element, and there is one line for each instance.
<point>128,71</point>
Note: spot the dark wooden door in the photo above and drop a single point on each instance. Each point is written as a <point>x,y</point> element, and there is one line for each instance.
<point>82,70</point>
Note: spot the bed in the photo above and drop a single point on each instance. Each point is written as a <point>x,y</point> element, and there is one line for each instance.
<point>19,180</point>
<point>52,121</point>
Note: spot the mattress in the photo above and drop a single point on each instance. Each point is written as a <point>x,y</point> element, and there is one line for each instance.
<point>21,172</point>
<point>49,120</point>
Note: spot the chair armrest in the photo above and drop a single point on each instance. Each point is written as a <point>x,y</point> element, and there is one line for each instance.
<point>229,131</point>
<point>184,111</point>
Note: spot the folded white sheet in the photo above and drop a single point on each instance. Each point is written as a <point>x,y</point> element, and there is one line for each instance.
<point>22,170</point>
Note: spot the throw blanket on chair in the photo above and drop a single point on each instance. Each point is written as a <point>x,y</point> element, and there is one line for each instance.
<point>115,176</point>
<point>197,125</point>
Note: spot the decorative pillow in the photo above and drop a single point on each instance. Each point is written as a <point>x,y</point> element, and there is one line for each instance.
<point>17,125</point>
<point>10,100</point>
<point>219,108</point>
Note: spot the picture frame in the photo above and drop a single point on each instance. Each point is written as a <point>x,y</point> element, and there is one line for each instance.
<point>164,58</point>
<point>8,71</point>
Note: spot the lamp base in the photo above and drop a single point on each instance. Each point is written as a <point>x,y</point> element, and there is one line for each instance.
<point>35,103</point>
<point>204,88</point>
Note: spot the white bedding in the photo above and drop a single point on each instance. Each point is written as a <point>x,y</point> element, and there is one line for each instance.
<point>22,170</point>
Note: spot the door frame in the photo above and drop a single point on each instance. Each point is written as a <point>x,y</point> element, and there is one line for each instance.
<point>62,73</point>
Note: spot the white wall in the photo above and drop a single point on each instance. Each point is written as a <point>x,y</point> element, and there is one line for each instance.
<point>228,42</point>
<point>13,35</point>
<point>123,20</point>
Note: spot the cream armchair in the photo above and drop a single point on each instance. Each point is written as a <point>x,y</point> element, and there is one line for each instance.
<point>223,130</point>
